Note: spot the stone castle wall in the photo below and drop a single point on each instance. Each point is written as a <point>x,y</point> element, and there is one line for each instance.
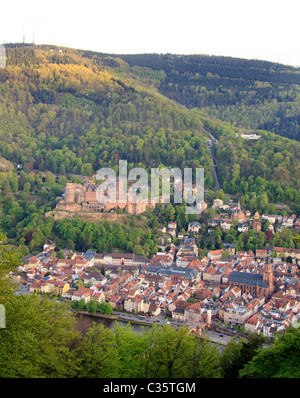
<point>84,198</point>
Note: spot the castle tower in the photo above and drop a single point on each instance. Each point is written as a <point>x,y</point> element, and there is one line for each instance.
<point>268,277</point>
<point>70,193</point>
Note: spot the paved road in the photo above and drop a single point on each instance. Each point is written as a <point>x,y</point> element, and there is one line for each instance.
<point>23,290</point>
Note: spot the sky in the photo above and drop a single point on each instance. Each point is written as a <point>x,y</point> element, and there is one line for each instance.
<point>257,29</point>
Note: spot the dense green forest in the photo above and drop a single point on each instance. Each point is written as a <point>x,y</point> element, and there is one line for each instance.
<point>251,94</point>
<point>266,168</point>
<point>76,111</point>
<point>42,340</point>
<point>72,112</point>
<point>69,115</point>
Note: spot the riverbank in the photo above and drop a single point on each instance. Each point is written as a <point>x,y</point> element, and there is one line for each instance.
<point>122,318</point>
<point>97,314</point>
<point>135,321</point>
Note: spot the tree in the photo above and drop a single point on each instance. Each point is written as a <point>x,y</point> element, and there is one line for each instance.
<point>8,262</point>
<point>39,338</point>
<point>86,169</point>
<point>81,305</point>
<point>102,270</point>
<point>269,235</point>
<point>280,360</point>
<point>131,349</point>
<point>210,212</point>
<point>60,254</point>
<point>105,308</point>
<point>204,360</point>
<point>170,212</point>
<point>220,194</point>
<point>138,250</point>
<point>50,179</point>
<point>98,356</point>
<point>174,353</point>
<point>238,353</point>
<point>110,246</point>
<point>92,306</point>
<point>235,222</point>
<point>26,187</point>
<point>262,202</point>
<point>37,240</point>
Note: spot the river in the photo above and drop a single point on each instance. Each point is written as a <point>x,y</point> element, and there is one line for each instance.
<point>85,321</point>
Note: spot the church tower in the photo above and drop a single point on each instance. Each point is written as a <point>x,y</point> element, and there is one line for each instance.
<point>268,277</point>
<point>238,213</point>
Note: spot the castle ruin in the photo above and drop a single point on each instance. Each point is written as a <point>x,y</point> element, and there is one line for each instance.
<point>84,197</point>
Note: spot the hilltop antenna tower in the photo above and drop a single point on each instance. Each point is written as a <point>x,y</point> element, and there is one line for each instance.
<point>23,35</point>
<point>33,37</point>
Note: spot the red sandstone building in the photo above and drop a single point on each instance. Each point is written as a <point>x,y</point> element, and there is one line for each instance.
<point>85,198</point>
<point>255,284</point>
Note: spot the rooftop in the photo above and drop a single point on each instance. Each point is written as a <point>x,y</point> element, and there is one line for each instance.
<point>247,278</point>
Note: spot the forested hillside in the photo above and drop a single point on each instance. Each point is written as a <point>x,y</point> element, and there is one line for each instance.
<point>260,171</point>
<point>73,112</point>
<point>70,115</point>
<point>251,94</point>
